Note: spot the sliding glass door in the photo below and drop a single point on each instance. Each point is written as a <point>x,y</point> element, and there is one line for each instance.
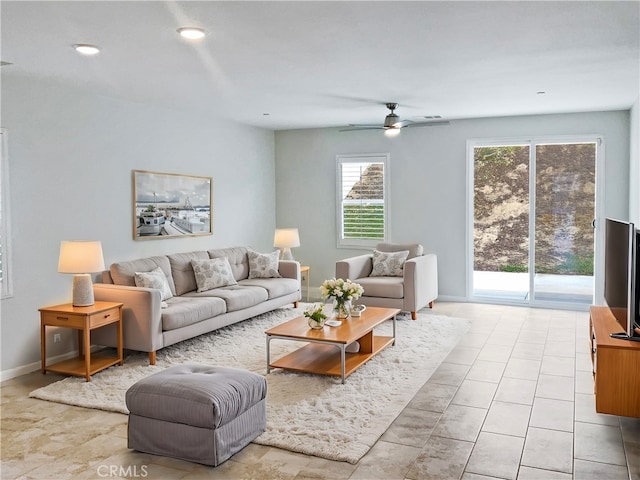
<point>532,214</point>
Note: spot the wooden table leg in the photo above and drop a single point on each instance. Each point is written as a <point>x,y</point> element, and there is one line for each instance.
<point>87,349</point>
<point>120,341</point>
<point>43,346</point>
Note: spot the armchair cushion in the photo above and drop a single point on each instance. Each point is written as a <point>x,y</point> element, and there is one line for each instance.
<point>415,249</point>
<point>386,287</point>
<point>388,264</point>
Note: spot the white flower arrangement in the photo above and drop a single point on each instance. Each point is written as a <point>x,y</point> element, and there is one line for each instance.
<point>341,290</point>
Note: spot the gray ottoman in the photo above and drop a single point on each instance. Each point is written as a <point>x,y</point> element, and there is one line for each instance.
<point>196,413</point>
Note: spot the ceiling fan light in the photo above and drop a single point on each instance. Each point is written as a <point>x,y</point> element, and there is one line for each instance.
<point>392,132</point>
<point>86,49</point>
<point>191,33</point>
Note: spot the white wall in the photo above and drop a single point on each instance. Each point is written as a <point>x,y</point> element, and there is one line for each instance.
<point>634,170</point>
<point>71,154</point>
<point>428,183</point>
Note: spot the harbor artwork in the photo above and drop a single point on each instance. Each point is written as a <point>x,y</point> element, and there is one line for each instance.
<point>171,205</point>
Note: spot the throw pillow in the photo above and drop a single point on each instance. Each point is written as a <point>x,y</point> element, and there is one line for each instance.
<point>213,273</point>
<point>388,264</point>
<point>154,279</point>
<point>263,265</point>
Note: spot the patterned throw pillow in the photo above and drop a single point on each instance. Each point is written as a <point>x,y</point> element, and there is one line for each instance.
<point>154,279</point>
<point>213,273</point>
<point>389,264</point>
<point>263,265</point>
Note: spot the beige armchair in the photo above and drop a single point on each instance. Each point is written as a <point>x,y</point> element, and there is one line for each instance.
<point>415,289</point>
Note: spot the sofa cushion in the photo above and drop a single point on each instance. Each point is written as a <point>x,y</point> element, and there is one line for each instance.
<point>182,311</point>
<point>263,265</point>
<point>387,287</point>
<point>123,273</point>
<point>182,271</point>
<point>236,297</point>
<point>238,260</point>
<point>276,287</point>
<point>212,273</point>
<point>388,264</point>
<point>415,249</point>
<point>154,279</point>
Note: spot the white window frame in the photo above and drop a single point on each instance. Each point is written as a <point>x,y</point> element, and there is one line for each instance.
<point>361,158</point>
<point>5,219</point>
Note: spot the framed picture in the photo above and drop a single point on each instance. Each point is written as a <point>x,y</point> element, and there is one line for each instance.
<point>171,205</point>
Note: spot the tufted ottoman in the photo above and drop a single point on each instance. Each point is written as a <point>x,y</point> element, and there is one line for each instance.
<point>196,413</point>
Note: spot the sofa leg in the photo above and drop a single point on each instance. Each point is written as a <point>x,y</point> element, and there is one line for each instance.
<point>431,304</point>
<point>152,358</point>
<point>295,304</point>
<point>414,316</point>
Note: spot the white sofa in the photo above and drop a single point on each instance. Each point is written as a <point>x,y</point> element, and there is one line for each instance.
<point>415,289</point>
<point>148,327</point>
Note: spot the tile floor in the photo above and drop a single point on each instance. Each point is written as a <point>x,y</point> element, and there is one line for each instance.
<point>512,401</point>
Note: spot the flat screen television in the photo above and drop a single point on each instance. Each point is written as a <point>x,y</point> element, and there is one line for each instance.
<point>622,276</point>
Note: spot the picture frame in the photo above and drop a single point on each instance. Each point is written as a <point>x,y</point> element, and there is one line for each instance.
<point>171,205</point>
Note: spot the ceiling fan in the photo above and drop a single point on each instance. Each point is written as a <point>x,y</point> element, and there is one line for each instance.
<point>393,124</point>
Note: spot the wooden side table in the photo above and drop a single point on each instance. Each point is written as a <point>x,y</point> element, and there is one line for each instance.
<point>305,269</point>
<point>83,319</point>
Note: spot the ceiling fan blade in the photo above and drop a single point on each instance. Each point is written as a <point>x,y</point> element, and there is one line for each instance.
<point>352,128</point>
<point>427,124</point>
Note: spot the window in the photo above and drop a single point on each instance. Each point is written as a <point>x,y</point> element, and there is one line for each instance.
<point>362,199</point>
<point>5,234</point>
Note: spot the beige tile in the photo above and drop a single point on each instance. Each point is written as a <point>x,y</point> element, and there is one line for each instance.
<point>484,371</point>
<point>553,365</point>
<point>463,355</point>
<point>533,336</point>
<point>475,340</point>
<point>528,351</point>
<point>522,368</point>
<point>440,458</point>
<point>530,473</point>
<point>516,390</point>
<point>321,468</point>
<point>386,461</point>
<point>548,450</point>
<point>433,397</point>
<point>507,419</point>
<point>475,394</point>
<point>496,455</point>
<point>599,443</point>
<point>584,382</point>
<point>449,374</point>
<point>552,414</point>
<point>495,353</point>
<point>460,423</point>
<point>412,427</point>
<point>555,387</point>
<point>586,470</point>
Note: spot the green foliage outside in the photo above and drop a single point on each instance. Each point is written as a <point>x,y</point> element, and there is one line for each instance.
<point>363,221</point>
<point>514,268</point>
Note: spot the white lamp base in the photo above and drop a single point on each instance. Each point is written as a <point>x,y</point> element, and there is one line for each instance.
<point>285,254</point>
<point>82,290</point>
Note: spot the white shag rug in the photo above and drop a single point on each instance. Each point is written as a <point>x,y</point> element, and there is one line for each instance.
<point>310,414</point>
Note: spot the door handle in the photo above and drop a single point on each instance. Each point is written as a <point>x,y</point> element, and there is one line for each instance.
<point>593,224</point>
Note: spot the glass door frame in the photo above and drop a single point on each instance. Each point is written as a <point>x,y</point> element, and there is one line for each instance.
<point>533,142</point>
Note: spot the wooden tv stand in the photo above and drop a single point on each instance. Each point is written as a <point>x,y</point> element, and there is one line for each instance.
<point>616,366</point>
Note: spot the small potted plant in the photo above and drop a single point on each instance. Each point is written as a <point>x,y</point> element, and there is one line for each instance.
<point>316,316</point>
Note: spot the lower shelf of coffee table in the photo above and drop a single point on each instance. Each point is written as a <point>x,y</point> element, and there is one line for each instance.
<point>323,359</point>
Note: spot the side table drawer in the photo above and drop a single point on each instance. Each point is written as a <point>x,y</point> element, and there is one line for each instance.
<point>60,319</point>
<point>104,318</point>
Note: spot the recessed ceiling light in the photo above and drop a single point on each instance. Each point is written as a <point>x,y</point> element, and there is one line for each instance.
<point>191,33</point>
<point>541,92</point>
<point>86,49</point>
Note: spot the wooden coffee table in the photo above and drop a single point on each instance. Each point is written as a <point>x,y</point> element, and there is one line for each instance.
<point>325,353</point>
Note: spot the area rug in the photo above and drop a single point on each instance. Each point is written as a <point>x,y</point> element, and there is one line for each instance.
<point>310,414</point>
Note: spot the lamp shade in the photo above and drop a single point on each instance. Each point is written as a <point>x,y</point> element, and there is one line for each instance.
<point>80,257</point>
<point>286,238</point>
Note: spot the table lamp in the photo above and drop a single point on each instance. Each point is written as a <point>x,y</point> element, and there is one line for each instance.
<point>285,239</point>
<point>81,258</point>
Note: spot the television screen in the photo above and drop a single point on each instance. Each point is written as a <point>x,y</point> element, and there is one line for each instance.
<point>620,272</point>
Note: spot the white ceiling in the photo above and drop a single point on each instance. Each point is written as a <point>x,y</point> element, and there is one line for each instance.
<point>319,64</point>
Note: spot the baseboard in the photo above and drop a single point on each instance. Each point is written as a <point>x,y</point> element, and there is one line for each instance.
<point>32,367</point>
